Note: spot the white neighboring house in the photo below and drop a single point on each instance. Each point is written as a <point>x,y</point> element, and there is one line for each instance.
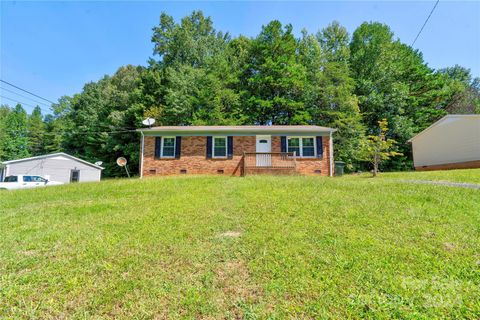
<point>56,167</point>
<point>452,142</point>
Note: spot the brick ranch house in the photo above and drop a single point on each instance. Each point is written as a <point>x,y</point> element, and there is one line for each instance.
<point>236,150</point>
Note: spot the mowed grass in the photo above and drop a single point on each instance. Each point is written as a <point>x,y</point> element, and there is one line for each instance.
<point>459,175</point>
<point>254,248</point>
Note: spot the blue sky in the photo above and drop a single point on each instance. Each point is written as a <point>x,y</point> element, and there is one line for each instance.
<point>54,48</point>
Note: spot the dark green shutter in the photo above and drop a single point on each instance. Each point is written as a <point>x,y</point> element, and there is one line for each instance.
<point>230,147</point>
<point>283,144</point>
<point>319,147</point>
<point>178,147</point>
<point>158,146</point>
<point>209,147</point>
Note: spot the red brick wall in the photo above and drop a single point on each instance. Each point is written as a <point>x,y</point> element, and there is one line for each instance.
<point>193,158</point>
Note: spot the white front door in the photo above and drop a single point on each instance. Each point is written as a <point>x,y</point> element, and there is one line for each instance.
<point>264,147</point>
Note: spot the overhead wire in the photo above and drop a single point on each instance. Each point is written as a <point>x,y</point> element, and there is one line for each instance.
<point>26,97</point>
<point>425,23</point>
<point>24,90</point>
<point>17,101</point>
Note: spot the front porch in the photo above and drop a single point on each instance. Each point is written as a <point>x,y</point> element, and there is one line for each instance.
<point>269,163</point>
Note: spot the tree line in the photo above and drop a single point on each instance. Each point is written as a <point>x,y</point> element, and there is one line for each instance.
<point>200,76</point>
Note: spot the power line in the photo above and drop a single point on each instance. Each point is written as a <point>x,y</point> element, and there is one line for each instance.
<point>425,23</point>
<point>26,97</point>
<point>17,101</point>
<point>60,133</point>
<point>23,103</point>
<point>33,94</point>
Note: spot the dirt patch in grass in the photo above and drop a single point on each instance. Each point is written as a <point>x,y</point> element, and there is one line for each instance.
<point>448,246</point>
<point>28,252</point>
<point>234,281</point>
<point>231,234</point>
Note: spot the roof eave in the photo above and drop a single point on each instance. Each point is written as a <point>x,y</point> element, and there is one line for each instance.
<point>53,155</point>
<point>226,131</point>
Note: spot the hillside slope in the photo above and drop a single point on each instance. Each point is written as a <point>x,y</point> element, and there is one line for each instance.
<point>255,247</point>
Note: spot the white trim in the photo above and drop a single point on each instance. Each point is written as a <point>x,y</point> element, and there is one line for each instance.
<point>330,145</point>
<point>226,147</point>
<point>239,130</point>
<point>300,146</point>
<point>174,147</point>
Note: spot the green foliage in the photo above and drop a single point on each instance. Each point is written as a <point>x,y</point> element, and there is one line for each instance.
<point>393,82</point>
<point>464,91</point>
<point>36,132</point>
<point>274,79</point>
<point>200,76</point>
<point>15,133</point>
<point>378,148</point>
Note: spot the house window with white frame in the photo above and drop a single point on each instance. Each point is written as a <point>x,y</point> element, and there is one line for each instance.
<point>304,147</point>
<point>219,147</point>
<point>168,147</point>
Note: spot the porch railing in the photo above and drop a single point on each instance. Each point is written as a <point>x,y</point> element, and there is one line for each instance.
<point>269,160</point>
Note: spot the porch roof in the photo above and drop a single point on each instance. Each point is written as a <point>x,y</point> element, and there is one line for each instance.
<point>237,130</point>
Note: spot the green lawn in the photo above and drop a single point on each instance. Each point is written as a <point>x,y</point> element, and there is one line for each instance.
<point>254,248</point>
<point>465,175</point>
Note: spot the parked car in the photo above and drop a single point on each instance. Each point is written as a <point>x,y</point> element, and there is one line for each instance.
<point>24,181</point>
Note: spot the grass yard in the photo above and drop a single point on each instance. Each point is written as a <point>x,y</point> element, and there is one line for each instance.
<point>465,175</point>
<point>254,248</point>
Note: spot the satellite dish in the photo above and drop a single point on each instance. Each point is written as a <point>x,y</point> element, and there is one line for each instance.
<point>98,163</point>
<point>121,161</point>
<point>148,121</point>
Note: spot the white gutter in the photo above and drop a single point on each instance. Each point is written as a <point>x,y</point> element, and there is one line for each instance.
<point>141,155</point>
<point>331,155</point>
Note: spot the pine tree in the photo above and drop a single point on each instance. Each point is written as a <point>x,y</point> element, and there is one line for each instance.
<point>36,132</point>
<point>275,79</point>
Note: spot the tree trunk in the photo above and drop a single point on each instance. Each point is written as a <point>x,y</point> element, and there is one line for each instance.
<point>375,166</point>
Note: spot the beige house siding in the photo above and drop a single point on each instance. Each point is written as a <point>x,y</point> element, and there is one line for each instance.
<point>453,139</point>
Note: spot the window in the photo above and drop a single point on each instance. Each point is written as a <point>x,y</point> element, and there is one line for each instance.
<point>219,147</point>
<point>168,147</point>
<point>38,179</point>
<point>27,179</point>
<point>74,175</point>
<point>308,147</point>
<point>11,179</point>
<point>294,145</point>
<point>303,146</point>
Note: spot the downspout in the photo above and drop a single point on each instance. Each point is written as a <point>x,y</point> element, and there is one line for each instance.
<point>141,155</point>
<point>331,154</point>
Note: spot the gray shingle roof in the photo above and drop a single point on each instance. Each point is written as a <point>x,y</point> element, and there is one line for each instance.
<point>239,129</point>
